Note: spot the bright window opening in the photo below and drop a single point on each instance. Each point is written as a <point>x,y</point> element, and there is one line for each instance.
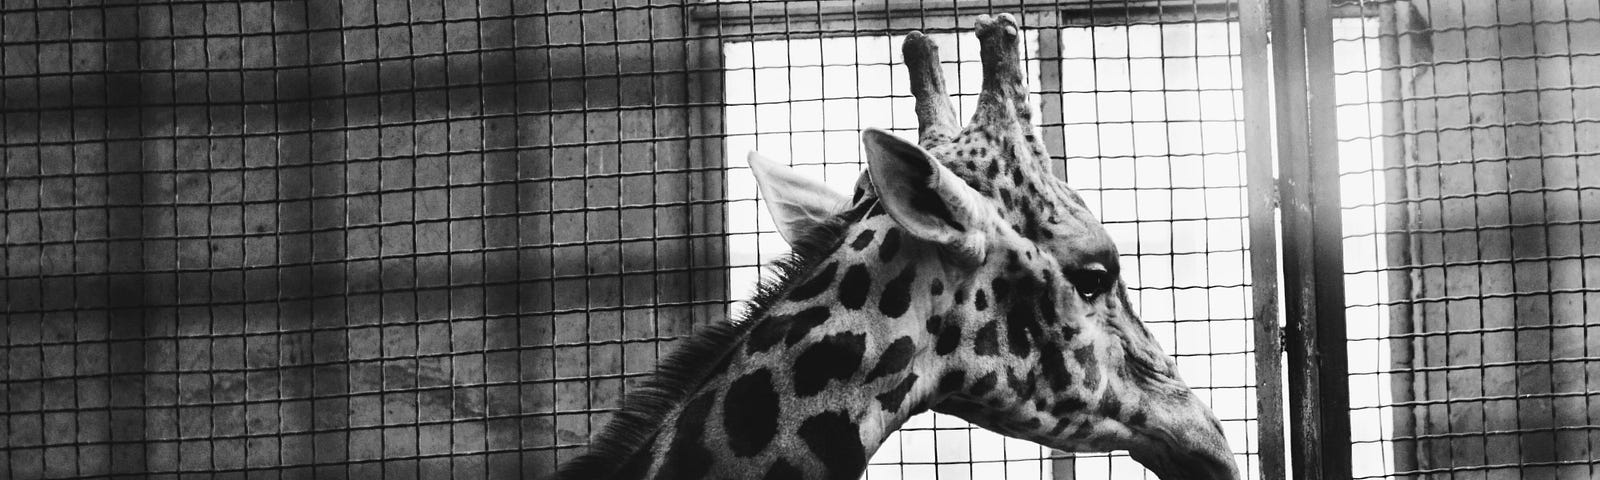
<point>1151,134</point>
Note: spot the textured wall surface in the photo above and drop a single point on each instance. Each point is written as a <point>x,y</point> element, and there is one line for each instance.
<point>325,239</point>
<point>1502,106</point>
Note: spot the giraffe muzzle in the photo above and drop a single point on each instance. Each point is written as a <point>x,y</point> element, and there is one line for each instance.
<point>1188,446</point>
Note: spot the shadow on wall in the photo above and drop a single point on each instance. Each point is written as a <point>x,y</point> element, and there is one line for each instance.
<point>1501,134</point>
<point>334,239</point>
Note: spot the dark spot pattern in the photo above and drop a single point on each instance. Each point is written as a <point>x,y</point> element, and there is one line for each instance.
<point>891,400</point>
<point>783,470</point>
<point>949,339</point>
<point>1083,354</point>
<point>1083,432</point>
<point>994,169</point>
<point>1023,316</point>
<point>936,287</point>
<point>984,384</point>
<point>1047,304</point>
<point>960,407</point>
<point>896,296</point>
<point>1110,407</point>
<point>801,323</point>
<point>1054,364</point>
<point>961,296</point>
<point>934,322</point>
<point>853,288</point>
<point>862,240</point>
<point>1138,419</point>
<point>1001,288</point>
<point>952,381</point>
<point>1023,387</point>
<point>1091,372</point>
<point>1068,405</point>
<point>835,440</point>
<point>686,456</point>
<point>816,284</point>
<point>986,341</point>
<point>1030,223</point>
<point>894,359</point>
<point>766,334</point>
<point>890,245</point>
<point>981,301</point>
<point>836,356</point>
<point>750,413</point>
<point>1020,322</point>
<point>1060,425</point>
<point>1068,333</point>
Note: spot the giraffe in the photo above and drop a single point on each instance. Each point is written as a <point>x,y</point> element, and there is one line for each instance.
<point>960,276</point>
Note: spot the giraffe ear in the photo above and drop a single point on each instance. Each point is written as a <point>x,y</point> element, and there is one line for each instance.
<point>924,197</point>
<point>798,203</point>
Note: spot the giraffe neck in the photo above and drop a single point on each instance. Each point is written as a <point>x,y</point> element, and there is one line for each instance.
<point>831,369</point>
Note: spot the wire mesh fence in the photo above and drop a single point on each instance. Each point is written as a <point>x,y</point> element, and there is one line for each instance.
<point>422,238</point>
<point>1467,141</point>
<point>289,239</point>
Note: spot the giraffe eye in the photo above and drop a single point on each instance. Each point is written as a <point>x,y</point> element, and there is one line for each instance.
<point>1091,281</point>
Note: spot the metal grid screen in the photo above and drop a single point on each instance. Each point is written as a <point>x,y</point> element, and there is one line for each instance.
<point>369,239</point>
<point>1467,138</point>
<point>418,239</point>
<point>427,238</point>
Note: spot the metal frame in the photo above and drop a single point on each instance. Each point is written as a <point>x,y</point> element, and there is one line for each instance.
<point>1263,204</point>
<point>1313,262</point>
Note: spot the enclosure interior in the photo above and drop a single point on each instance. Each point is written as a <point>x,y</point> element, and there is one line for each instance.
<point>417,239</point>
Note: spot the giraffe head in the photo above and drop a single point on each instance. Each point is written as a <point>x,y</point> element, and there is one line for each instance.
<point>1035,337</point>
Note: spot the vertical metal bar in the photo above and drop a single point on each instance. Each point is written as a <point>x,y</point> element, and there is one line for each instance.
<point>1255,57</point>
<point>1063,465</point>
<point>708,292</point>
<point>1312,239</point>
<point>1327,254</point>
<point>1051,118</point>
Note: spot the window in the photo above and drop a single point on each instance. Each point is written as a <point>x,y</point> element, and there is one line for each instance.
<point>1145,120</point>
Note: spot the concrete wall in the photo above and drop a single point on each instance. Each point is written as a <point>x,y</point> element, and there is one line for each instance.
<point>632,208</point>
<point>327,239</point>
<point>1502,139</point>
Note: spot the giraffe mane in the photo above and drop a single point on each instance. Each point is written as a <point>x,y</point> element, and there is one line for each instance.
<point>701,356</point>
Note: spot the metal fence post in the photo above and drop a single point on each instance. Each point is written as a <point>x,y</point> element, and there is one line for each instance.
<point>1256,65</point>
<point>1313,263</point>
